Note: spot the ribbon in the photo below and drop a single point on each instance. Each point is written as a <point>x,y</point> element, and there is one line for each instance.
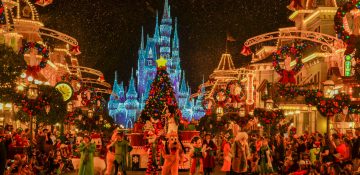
<point>33,71</point>
<point>246,51</point>
<point>75,50</point>
<point>287,77</point>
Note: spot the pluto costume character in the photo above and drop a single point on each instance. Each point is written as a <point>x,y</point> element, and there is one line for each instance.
<point>173,154</point>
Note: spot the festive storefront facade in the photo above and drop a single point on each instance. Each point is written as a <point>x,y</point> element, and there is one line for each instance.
<point>53,63</point>
<point>279,74</point>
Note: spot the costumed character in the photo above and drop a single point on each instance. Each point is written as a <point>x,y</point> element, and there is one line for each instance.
<point>110,155</point>
<point>265,165</point>
<point>172,124</point>
<point>122,148</point>
<point>96,139</point>
<point>209,160</point>
<point>154,146</point>
<point>241,152</point>
<point>87,150</point>
<point>197,155</point>
<point>226,147</point>
<point>173,153</point>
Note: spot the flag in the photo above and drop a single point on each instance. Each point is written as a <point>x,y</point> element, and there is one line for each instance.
<point>230,38</point>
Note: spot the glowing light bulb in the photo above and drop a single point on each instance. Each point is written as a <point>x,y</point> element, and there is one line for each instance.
<point>23,75</point>
<point>30,78</point>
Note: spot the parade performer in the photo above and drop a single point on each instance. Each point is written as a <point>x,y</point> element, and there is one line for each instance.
<point>197,154</point>
<point>122,148</point>
<point>87,150</point>
<point>173,154</point>
<point>110,155</point>
<point>241,152</point>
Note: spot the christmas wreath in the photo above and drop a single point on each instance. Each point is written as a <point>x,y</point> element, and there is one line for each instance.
<point>33,70</point>
<point>220,96</point>
<point>296,51</point>
<point>235,97</point>
<point>341,24</point>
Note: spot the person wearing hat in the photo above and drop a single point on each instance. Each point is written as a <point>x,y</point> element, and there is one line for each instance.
<point>209,160</point>
<point>87,150</point>
<point>122,148</point>
<point>355,153</point>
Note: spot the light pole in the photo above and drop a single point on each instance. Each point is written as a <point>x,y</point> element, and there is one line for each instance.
<point>328,86</point>
<point>32,94</point>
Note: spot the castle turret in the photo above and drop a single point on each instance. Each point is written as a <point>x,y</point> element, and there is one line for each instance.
<point>165,32</point>
<point>188,110</point>
<point>157,38</point>
<point>183,93</point>
<point>114,98</point>
<point>131,103</point>
<point>141,65</point>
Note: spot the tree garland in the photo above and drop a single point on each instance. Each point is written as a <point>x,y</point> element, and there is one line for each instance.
<point>327,107</point>
<point>294,50</point>
<point>71,116</point>
<point>33,70</point>
<point>48,96</point>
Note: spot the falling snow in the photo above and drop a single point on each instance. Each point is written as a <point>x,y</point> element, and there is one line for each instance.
<point>109,31</point>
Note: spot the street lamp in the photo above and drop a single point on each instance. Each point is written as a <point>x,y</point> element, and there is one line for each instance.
<point>328,88</point>
<point>269,104</point>
<point>90,113</point>
<point>32,94</point>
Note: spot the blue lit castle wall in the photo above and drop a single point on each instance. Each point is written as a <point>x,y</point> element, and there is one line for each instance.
<point>125,107</point>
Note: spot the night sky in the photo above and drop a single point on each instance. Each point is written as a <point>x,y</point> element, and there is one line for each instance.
<point>109,31</point>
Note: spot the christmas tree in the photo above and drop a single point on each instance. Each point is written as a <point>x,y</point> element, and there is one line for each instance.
<point>160,106</point>
<point>161,98</point>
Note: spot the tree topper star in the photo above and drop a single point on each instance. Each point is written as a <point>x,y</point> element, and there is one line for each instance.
<point>161,62</point>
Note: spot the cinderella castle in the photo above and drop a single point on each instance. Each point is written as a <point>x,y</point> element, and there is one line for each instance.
<point>125,106</point>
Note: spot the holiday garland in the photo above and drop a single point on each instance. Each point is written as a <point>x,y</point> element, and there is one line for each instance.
<point>296,51</point>
<point>33,70</point>
<point>235,97</point>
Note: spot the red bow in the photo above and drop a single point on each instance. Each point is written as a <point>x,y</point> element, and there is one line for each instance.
<point>33,71</point>
<point>287,77</point>
<point>1,10</point>
<point>246,51</point>
<point>75,50</point>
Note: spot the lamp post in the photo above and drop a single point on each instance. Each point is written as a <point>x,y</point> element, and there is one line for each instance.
<point>328,86</point>
<point>32,94</point>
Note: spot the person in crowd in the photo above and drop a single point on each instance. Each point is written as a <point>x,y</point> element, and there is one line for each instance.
<point>241,153</point>
<point>227,154</point>
<point>3,154</point>
<point>209,160</point>
<point>265,159</point>
<point>87,150</point>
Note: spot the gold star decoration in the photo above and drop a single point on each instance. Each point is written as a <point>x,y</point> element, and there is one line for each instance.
<point>161,62</point>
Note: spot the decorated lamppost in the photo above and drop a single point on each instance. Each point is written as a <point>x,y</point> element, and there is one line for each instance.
<point>32,94</point>
<point>328,86</point>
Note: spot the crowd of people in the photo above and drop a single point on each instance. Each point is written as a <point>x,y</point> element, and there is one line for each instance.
<point>242,153</point>
<point>337,154</point>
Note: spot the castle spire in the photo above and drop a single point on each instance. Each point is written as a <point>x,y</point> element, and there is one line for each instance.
<point>142,38</point>
<point>183,88</point>
<point>175,43</point>
<point>157,32</point>
<point>115,77</point>
<point>131,93</point>
<point>166,13</point>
